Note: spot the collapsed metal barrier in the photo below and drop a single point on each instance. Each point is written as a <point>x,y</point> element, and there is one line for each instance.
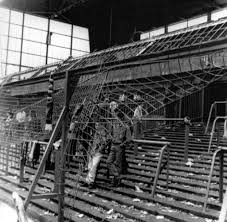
<point>185,120</point>
<point>165,147</point>
<point>220,151</point>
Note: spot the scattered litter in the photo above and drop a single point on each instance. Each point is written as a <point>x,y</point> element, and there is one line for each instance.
<point>190,162</point>
<point>144,212</point>
<point>48,213</point>
<point>44,189</point>
<point>159,217</point>
<point>190,134</point>
<point>199,140</point>
<point>104,201</point>
<point>136,200</point>
<point>149,204</point>
<point>114,216</point>
<point>138,190</point>
<point>208,220</point>
<point>140,148</point>
<point>163,138</point>
<point>110,211</point>
<point>81,215</point>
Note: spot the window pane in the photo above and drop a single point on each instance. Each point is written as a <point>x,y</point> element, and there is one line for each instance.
<point>2,56</point>
<point>58,53</point>
<point>13,57</point>
<point>24,68</point>
<point>52,60</point>
<point>157,32</point>
<point>3,42</point>
<point>145,35</point>
<point>12,69</point>
<point>16,17</point>
<point>15,31</point>
<point>32,60</point>
<point>4,14</point>
<point>60,40</point>
<point>197,21</point>
<point>80,44</point>
<point>14,44</point>
<point>35,35</point>
<point>34,48</point>
<point>219,14</point>
<point>76,53</point>
<point>60,27</point>
<point>4,28</point>
<point>35,22</point>
<point>80,32</point>
<point>2,69</point>
<point>177,26</point>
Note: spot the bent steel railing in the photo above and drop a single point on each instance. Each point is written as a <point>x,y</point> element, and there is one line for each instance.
<point>213,130</point>
<point>165,147</point>
<point>213,108</point>
<point>185,120</point>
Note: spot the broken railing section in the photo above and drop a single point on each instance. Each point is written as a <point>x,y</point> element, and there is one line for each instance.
<point>43,161</point>
<point>164,148</point>
<point>186,121</point>
<point>218,152</point>
<point>24,155</point>
<point>213,112</point>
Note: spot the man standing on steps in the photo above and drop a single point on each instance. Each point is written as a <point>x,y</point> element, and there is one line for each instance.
<point>121,136</point>
<point>97,150</point>
<point>137,116</point>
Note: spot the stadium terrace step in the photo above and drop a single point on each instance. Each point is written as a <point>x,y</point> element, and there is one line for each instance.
<point>182,201</point>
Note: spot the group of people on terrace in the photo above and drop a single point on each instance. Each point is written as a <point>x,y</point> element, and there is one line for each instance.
<point>111,135</point>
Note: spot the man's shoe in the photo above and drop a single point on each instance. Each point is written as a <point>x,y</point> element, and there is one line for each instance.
<point>115,182</point>
<point>91,185</point>
<point>86,184</point>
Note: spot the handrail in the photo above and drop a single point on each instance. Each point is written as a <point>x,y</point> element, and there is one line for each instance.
<point>165,146</point>
<point>213,128</point>
<point>152,142</point>
<point>210,112</point>
<point>162,119</point>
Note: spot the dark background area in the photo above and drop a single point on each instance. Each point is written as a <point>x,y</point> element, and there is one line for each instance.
<point>114,22</point>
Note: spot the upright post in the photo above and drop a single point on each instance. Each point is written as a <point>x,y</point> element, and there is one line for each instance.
<point>202,105</point>
<point>22,162</point>
<point>186,142</point>
<point>180,108</point>
<point>218,133</point>
<point>221,175</point>
<point>62,151</point>
<point>7,160</point>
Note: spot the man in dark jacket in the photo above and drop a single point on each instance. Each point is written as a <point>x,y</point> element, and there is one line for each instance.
<point>121,135</point>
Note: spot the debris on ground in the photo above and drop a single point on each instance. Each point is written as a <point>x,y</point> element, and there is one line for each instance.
<point>138,190</point>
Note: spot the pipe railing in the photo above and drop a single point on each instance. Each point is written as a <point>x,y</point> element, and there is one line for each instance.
<point>187,122</point>
<point>24,155</point>
<point>213,130</point>
<point>165,147</point>
<point>213,107</point>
